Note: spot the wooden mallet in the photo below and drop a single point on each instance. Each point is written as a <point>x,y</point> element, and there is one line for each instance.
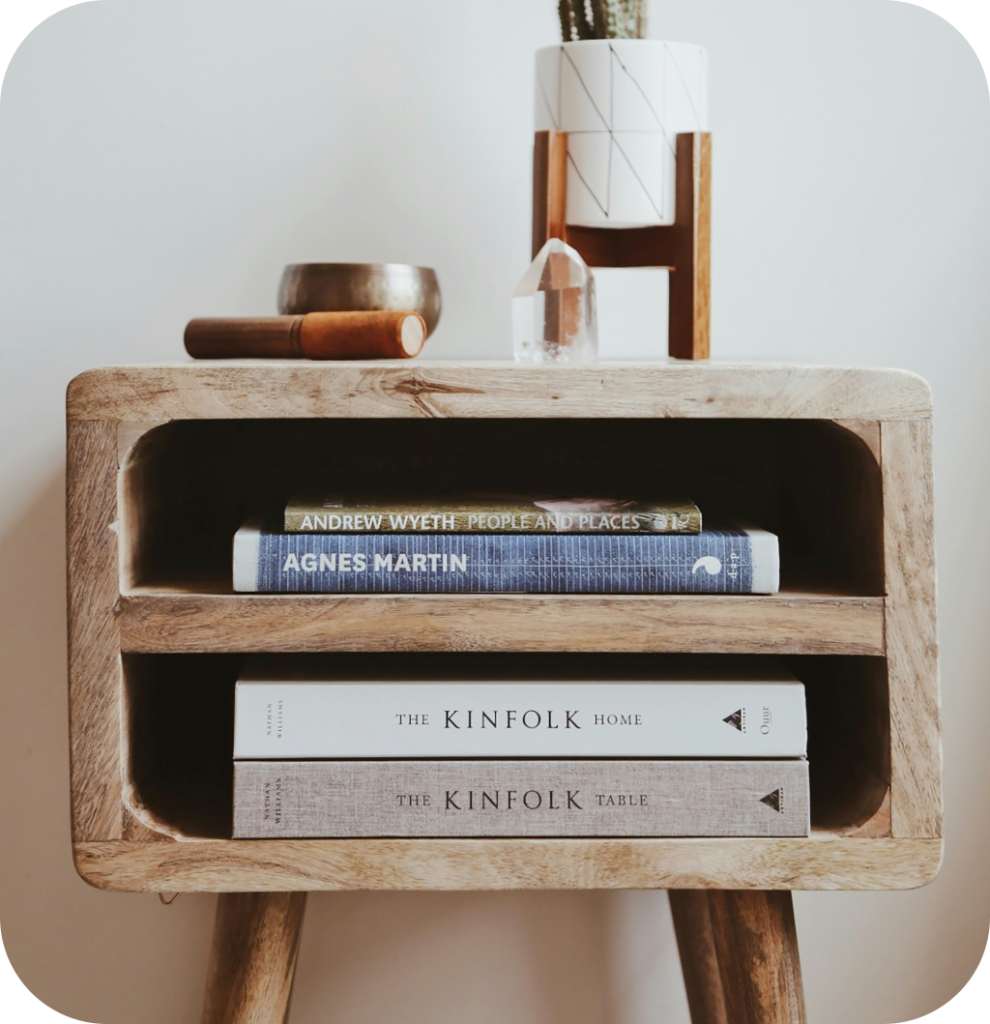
<point>354,335</point>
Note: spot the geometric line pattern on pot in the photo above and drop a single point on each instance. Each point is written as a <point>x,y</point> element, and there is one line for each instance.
<point>646,99</point>
<point>607,123</point>
<point>615,103</point>
<point>687,90</point>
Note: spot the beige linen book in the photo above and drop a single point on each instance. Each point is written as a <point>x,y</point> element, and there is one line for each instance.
<point>348,799</point>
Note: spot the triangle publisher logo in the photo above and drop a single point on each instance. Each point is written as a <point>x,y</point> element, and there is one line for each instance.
<point>735,720</point>
<point>774,800</point>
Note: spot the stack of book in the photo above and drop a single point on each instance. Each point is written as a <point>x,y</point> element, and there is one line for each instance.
<point>550,546</point>
<point>317,755</point>
<point>697,754</point>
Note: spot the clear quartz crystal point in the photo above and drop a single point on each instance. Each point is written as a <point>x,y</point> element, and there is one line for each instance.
<point>553,308</point>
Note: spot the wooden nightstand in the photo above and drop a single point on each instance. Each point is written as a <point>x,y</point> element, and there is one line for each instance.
<point>164,462</point>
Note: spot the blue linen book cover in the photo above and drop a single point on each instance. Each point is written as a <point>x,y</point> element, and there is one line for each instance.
<point>741,561</point>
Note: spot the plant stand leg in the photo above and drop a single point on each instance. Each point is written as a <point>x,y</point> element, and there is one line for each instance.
<point>696,944</point>
<point>683,247</point>
<point>253,959</point>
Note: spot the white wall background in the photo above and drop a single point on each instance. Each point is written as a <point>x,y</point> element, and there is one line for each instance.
<point>164,160</point>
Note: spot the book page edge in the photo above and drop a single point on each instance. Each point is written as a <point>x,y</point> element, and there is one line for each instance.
<point>247,553</point>
<point>765,556</point>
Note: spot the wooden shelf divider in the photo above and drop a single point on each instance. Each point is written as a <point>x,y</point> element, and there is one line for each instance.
<point>786,623</point>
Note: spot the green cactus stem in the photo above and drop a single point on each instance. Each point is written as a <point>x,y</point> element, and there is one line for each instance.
<point>566,14</point>
<point>585,30</point>
<point>602,19</point>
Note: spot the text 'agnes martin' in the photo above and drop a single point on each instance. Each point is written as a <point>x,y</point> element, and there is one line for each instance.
<point>357,561</point>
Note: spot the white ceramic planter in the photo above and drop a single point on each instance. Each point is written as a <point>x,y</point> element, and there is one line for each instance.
<point>622,103</point>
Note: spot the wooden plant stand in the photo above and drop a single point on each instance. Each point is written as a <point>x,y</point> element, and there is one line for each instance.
<point>683,248</point>
<point>164,462</point>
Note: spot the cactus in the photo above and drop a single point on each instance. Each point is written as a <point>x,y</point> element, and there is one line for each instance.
<point>602,19</point>
<point>599,11</point>
<point>566,14</point>
<point>584,27</point>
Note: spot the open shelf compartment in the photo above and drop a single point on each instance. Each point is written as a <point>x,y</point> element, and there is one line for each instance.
<point>179,727</point>
<point>189,485</point>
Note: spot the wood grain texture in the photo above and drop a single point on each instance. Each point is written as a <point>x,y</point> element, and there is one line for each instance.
<point>878,824</point>
<point>95,678</point>
<point>654,247</point>
<point>912,632</point>
<point>699,961</point>
<point>119,846</point>
<point>134,827</point>
<point>692,390</point>
<point>822,862</point>
<point>253,958</point>
<point>757,954</point>
<point>868,431</point>
<point>788,623</point>
<point>690,280</point>
<point>549,188</point>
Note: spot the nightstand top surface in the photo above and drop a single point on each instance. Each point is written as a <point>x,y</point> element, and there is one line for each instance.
<point>242,389</point>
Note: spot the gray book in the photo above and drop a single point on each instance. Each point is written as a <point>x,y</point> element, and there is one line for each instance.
<point>351,799</point>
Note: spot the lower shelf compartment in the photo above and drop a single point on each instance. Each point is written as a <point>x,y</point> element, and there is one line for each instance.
<point>179,731</point>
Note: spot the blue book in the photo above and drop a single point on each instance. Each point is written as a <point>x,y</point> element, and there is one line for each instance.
<point>739,561</point>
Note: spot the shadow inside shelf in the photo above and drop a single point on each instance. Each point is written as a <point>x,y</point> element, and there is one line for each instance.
<point>179,719</point>
<point>180,724</point>
<point>189,485</point>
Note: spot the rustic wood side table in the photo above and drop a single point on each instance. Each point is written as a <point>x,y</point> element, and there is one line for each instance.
<point>165,461</point>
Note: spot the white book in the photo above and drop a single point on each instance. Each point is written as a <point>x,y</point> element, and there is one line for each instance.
<point>279,717</point>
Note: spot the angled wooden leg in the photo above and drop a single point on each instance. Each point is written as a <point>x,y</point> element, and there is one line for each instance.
<point>699,964</point>
<point>756,946</point>
<point>255,946</point>
<point>740,957</point>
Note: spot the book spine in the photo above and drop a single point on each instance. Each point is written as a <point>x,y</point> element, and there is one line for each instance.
<point>701,563</point>
<point>285,720</point>
<point>353,799</point>
<point>492,519</point>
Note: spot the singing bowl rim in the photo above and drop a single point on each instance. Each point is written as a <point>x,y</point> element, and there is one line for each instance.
<point>366,268</point>
<point>313,277</point>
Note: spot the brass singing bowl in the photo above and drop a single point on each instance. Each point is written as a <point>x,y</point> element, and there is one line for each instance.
<point>339,287</point>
